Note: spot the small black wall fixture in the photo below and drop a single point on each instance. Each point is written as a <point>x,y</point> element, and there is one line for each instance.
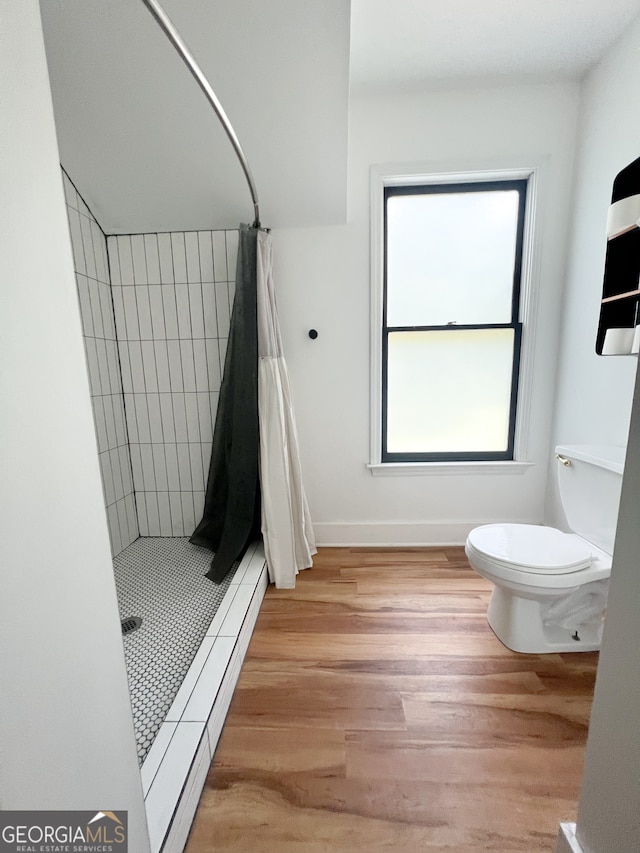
<point>313,334</point>
<point>619,327</point>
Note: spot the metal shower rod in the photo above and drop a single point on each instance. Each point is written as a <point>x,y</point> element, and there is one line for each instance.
<point>177,41</point>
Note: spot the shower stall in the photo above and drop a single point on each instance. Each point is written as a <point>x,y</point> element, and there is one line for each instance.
<point>155,311</point>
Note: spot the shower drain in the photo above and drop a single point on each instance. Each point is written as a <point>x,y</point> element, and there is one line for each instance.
<point>130,624</point>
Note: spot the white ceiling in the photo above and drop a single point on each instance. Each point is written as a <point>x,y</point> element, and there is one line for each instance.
<point>411,43</point>
<point>145,148</point>
<point>146,151</point>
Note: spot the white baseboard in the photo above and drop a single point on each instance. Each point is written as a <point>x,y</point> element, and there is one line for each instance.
<point>567,841</point>
<point>393,534</point>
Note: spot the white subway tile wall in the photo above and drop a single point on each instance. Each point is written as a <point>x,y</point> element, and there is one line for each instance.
<point>96,308</point>
<point>172,294</point>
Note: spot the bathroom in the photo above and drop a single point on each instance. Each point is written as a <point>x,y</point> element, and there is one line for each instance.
<point>564,126</point>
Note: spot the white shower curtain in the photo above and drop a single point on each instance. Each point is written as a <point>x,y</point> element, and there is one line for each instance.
<point>286,523</point>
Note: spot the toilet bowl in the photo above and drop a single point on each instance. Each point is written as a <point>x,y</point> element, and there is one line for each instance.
<point>550,586</point>
<point>564,562</point>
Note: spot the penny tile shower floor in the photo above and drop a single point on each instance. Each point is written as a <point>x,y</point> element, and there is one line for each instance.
<point>162,580</point>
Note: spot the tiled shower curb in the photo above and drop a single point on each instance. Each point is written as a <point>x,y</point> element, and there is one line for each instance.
<point>176,766</point>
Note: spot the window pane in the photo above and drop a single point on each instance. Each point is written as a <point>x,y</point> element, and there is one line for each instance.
<point>449,391</point>
<point>450,257</point>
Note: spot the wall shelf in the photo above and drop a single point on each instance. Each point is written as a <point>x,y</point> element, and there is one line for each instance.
<point>621,286</point>
<point>622,231</point>
<point>628,295</point>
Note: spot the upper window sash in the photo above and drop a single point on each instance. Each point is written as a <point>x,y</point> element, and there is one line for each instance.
<point>446,191</point>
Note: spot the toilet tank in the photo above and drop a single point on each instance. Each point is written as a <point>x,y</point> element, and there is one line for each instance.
<point>590,490</point>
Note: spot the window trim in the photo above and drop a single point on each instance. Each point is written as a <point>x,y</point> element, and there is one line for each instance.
<point>405,175</point>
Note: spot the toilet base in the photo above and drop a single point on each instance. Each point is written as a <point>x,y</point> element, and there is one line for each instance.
<point>517,623</point>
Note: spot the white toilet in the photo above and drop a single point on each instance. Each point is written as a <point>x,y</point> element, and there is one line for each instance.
<point>550,587</point>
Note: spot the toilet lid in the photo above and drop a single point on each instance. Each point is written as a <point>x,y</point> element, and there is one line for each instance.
<point>533,548</point>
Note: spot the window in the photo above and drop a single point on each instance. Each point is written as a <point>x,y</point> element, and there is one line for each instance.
<point>451,331</point>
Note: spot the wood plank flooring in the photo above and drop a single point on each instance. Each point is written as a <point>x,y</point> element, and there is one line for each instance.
<point>377,711</point>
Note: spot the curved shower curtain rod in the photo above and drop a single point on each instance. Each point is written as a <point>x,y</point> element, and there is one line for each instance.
<point>177,41</point>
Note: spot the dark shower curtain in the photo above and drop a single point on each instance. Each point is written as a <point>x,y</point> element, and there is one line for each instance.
<point>231,516</point>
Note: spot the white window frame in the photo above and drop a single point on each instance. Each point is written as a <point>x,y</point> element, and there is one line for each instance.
<point>402,175</point>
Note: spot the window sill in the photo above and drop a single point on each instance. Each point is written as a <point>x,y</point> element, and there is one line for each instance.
<point>427,469</point>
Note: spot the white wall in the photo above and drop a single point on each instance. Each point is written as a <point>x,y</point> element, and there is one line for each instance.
<point>322,279</point>
<point>609,806</point>
<point>594,393</point>
<point>124,99</point>
<point>65,719</point>
<point>593,404</point>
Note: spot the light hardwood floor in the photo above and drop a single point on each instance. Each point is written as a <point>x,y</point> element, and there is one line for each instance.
<point>377,711</point>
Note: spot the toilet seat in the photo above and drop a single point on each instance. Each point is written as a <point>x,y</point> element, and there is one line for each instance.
<point>530,548</point>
